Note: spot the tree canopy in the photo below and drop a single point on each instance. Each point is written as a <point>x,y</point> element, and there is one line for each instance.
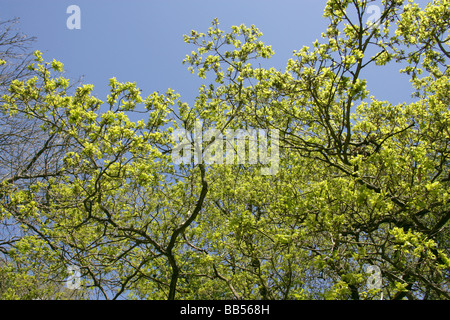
<point>360,183</point>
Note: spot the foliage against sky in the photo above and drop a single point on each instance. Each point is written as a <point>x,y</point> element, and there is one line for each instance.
<point>361,181</point>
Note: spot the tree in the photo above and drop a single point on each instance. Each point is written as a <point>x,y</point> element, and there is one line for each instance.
<point>361,182</point>
<point>27,153</point>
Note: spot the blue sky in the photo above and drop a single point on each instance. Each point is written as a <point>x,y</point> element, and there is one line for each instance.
<point>142,41</point>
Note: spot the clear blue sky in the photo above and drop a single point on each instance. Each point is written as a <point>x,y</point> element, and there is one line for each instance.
<point>142,41</point>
